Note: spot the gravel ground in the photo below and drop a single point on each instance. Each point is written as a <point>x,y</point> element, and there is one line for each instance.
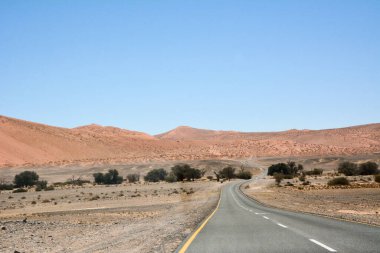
<point>355,204</point>
<point>125,218</point>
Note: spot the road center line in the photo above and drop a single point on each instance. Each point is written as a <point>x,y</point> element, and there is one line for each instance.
<point>265,217</point>
<point>322,245</point>
<point>281,225</point>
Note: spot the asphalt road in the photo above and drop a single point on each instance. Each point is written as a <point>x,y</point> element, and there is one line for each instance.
<point>241,224</point>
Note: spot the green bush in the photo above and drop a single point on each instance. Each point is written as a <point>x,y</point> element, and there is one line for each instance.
<point>111,177</point>
<point>19,190</point>
<point>377,178</point>
<point>185,171</point>
<point>40,185</point>
<point>338,181</point>
<point>73,181</point>
<point>368,168</point>
<point>26,178</point>
<point>98,178</point>
<point>244,174</point>
<point>348,168</point>
<point>278,168</point>
<point>155,175</point>
<point>289,169</point>
<point>6,187</point>
<point>132,178</point>
<point>228,172</point>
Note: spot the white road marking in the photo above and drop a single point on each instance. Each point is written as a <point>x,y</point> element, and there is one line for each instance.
<point>281,225</point>
<point>322,245</point>
<point>265,217</point>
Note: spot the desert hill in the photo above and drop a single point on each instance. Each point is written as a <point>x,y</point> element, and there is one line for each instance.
<point>190,133</point>
<point>28,143</point>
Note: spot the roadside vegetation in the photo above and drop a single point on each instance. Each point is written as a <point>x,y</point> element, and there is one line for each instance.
<point>25,180</point>
<point>353,169</point>
<point>351,172</point>
<point>184,172</point>
<point>179,173</point>
<point>156,175</point>
<point>228,173</point>
<point>133,178</point>
<point>338,181</point>
<point>111,177</point>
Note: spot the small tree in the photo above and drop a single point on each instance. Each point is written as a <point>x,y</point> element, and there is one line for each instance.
<point>191,174</point>
<point>155,175</point>
<point>111,177</point>
<point>348,168</point>
<point>179,171</point>
<point>185,171</point>
<point>26,178</point>
<point>99,178</point>
<point>368,168</point>
<point>228,172</point>
<point>41,185</point>
<point>338,181</point>
<point>132,178</point>
<point>278,177</point>
<point>278,168</point>
<point>244,174</point>
<point>292,167</point>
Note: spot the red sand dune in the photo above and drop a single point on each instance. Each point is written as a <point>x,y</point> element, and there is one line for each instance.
<point>27,143</point>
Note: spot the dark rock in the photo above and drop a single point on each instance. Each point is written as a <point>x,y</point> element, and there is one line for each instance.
<point>3,228</point>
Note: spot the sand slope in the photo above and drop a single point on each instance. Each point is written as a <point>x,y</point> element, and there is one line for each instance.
<point>23,143</point>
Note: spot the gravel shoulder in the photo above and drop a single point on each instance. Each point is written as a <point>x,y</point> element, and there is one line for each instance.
<point>354,204</point>
<point>126,218</point>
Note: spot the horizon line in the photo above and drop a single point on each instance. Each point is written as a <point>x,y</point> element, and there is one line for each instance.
<point>186,126</point>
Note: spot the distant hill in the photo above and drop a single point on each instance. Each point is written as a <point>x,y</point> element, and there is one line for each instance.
<point>189,133</point>
<point>28,143</point>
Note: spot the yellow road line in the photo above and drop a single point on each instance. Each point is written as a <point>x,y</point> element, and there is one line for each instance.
<point>194,235</point>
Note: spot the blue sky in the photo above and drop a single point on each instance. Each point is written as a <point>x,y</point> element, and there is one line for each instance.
<point>154,65</point>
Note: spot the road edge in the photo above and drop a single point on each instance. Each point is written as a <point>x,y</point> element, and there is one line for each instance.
<point>191,237</point>
<point>303,212</point>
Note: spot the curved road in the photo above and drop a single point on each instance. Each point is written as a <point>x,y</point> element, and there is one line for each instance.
<point>241,224</point>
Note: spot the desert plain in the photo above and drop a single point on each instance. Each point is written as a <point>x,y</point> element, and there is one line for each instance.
<point>158,216</point>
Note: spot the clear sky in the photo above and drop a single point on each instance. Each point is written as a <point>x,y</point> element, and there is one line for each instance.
<point>154,65</point>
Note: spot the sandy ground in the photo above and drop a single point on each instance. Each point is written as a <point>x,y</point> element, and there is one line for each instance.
<point>359,202</point>
<point>153,217</point>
